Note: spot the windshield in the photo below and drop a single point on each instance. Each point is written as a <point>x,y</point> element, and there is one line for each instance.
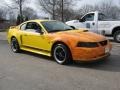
<point>55,26</point>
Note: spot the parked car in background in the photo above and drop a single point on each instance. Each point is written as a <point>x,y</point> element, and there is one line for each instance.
<point>98,23</point>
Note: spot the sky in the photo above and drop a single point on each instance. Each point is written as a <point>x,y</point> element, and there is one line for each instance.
<point>93,2</point>
<point>78,4</point>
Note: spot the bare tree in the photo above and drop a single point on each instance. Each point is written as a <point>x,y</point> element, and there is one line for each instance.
<point>19,4</point>
<point>49,6</point>
<point>16,5</point>
<point>64,8</point>
<point>69,14</point>
<point>85,9</point>
<point>109,9</point>
<point>62,1</point>
<point>29,13</point>
<point>56,8</point>
<point>106,7</point>
<point>1,14</point>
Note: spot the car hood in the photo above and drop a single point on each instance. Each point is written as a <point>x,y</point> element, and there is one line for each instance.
<point>79,35</point>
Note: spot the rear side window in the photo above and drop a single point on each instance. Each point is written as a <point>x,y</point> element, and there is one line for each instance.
<point>101,17</point>
<point>23,26</point>
<point>33,27</point>
<point>29,25</point>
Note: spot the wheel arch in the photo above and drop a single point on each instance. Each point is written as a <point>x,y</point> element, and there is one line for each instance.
<point>60,42</point>
<point>115,29</point>
<point>12,37</point>
<point>73,27</point>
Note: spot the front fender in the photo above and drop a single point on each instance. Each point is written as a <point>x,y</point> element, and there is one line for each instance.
<point>62,40</point>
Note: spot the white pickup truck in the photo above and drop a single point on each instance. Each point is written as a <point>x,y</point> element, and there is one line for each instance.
<point>98,23</point>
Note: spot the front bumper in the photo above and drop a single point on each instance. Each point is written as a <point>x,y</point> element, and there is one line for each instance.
<point>90,54</point>
<point>95,59</point>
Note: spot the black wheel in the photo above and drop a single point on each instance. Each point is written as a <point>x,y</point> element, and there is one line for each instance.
<point>61,54</point>
<point>15,45</point>
<point>117,36</point>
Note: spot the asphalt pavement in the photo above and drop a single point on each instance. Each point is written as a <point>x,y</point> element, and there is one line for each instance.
<point>28,71</point>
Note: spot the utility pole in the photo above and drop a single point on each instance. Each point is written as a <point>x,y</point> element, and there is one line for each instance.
<point>53,10</point>
<point>20,7</point>
<point>62,13</point>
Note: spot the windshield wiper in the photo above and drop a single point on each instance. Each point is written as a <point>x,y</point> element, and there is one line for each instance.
<point>85,31</point>
<point>60,30</point>
<point>68,29</point>
<point>55,31</point>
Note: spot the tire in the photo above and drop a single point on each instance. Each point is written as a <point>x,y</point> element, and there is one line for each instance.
<point>117,36</point>
<point>61,54</point>
<point>15,45</point>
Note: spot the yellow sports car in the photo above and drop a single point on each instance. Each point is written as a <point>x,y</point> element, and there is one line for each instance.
<point>56,39</point>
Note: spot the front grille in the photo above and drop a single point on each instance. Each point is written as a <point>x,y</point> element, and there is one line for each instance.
<point>103,43</point>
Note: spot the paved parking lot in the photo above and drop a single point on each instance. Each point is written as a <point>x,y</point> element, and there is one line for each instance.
<point>3,36</point>
<point>28,71</point>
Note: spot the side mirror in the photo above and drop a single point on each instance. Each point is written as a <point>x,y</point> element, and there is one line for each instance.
<point>41,32</point>
<point>81,20</point>
<point>72,27</point>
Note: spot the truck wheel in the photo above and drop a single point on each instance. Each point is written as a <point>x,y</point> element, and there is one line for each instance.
<point>117,36</point>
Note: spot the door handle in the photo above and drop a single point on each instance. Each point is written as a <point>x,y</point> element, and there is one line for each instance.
<point>93,23</point>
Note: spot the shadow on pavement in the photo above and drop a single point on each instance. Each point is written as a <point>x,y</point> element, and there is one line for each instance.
<point>112,63</point>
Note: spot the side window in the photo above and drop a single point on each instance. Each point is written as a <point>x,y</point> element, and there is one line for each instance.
<point>23,26</point>
<point>33,27</point>
<point>88,17</point>
<point>101,17</point>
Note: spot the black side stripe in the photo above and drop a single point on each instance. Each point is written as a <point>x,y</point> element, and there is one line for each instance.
<point>37,49</point>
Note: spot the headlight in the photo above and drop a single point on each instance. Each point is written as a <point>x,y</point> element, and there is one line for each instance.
<point>87,44</point>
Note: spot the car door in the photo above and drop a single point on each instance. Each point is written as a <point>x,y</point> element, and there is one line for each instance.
<point>103,24</point>
<point>33,38</point>
<point>90,23</point>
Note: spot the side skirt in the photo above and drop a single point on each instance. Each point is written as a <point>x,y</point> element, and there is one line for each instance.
<point>36,50</point>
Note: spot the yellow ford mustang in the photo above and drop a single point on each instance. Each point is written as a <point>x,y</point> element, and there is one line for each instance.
<point>56,39</point>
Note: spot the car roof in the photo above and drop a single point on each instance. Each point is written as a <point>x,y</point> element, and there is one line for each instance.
<point>39,20</point>
<point>36,20</point>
